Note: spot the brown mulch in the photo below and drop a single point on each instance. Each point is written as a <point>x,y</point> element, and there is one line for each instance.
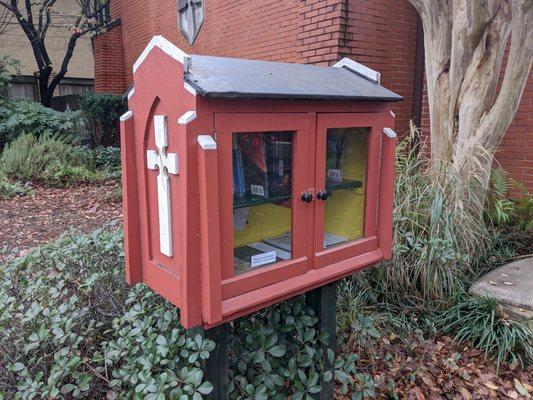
<point>415,368</point>
<point>41,217</point>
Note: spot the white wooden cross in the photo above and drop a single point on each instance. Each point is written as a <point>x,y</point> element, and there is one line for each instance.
<point>166,163</point>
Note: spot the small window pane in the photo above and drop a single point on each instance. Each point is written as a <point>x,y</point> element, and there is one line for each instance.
<point>346,157</point>
<point>262,199</point>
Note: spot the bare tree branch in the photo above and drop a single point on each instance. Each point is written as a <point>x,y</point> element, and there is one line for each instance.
<point>6,16</point>
<point>89,18</point>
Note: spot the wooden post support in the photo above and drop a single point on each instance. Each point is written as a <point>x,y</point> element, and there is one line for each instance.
<point>216,367</point>
<point>323,301</point>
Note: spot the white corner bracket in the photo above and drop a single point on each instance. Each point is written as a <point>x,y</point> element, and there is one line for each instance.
<point>207,142</point>
<point>127,115</point>
<point>358,69</point>
<point>169,48</point>
<point>390,133</point>
<point>189,116</point>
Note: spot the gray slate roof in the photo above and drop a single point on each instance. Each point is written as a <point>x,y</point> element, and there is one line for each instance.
<point>237,78</point>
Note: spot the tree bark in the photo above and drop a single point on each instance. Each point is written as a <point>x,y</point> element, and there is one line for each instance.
<point>465,44</point>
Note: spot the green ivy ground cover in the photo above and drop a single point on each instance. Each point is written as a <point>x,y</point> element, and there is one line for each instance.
<point>71,328</point>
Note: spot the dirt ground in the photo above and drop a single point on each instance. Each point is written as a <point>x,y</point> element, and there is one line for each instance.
<point>28,221</point>
<point>437,368</point>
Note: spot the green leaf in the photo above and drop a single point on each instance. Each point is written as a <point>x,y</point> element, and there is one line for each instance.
<point>277,351</point>
<point>65,389</point>
<point>17,367</point>
<point>205,388</point>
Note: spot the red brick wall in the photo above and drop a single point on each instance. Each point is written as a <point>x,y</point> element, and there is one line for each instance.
<point>515,154</point>
<point>382,35</point>
<point>378,33</point>
<point>258,29</point>
<point>109,62</point>
<point>320,30</point>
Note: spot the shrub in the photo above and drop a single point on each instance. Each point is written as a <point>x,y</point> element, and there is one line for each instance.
<point>54,162</point>
<point>276,355</point>
<point>107,160</point>
<point>59,175</point>
<point>480,321</point>
<point>24,116</point>
<point>524,213</point>
<point>102,112</point>
<point>11,189</point>
<point>6,65</point>
<point>29,157</point>
<point>71,328</point>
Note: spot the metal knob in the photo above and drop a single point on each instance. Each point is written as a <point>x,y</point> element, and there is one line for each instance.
<point>322,195</point>
<point>307,197</point>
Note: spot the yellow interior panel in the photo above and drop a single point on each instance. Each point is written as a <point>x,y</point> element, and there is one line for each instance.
<point>344,215</point>
<point>264,221</point>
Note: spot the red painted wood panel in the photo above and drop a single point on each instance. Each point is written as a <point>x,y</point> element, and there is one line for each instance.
<point>130,204</point>
<point>199,277</point>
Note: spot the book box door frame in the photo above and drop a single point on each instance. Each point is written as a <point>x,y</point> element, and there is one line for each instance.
<point>226,125</point>
<point>369,241</point>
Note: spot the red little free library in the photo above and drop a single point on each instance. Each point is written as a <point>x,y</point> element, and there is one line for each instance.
<point>249,182</point>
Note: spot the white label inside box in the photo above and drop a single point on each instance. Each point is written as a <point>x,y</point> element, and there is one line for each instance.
<point>335,174</point>
<point>257,190</point>
<point>263,258</point>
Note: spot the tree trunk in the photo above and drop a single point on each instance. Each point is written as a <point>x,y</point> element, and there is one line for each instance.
<point>465,44</point>
<point>45,93</point>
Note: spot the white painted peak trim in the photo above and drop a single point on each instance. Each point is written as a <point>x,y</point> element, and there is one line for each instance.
<point>359,69</point>
<point>131,93</point>
<point>127,115</point>
<point>169,48</point>
<point>189,88</point>
<point>207,142</point>
<point>389,132</point>
<point>189,116</point>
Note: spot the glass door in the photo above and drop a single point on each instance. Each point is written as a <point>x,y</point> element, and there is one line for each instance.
<point>264,167</point>
<point>347,164</point>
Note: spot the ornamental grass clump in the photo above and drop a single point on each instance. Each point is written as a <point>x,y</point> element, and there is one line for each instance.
<point>438,231</point>
<point>481,321</point>
<point>447,233</point>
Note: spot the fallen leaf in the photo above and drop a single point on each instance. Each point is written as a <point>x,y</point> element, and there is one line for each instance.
<point>491,385</point>
<point>428,381</point>
<point>465,393</point>
<point>493,283</point>
<point>508,283</point>
<point>512,394</point>
<point>521,389</point>
<point>418,393</point>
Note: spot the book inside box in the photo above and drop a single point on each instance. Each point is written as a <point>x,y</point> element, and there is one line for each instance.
<point>272,250</point>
